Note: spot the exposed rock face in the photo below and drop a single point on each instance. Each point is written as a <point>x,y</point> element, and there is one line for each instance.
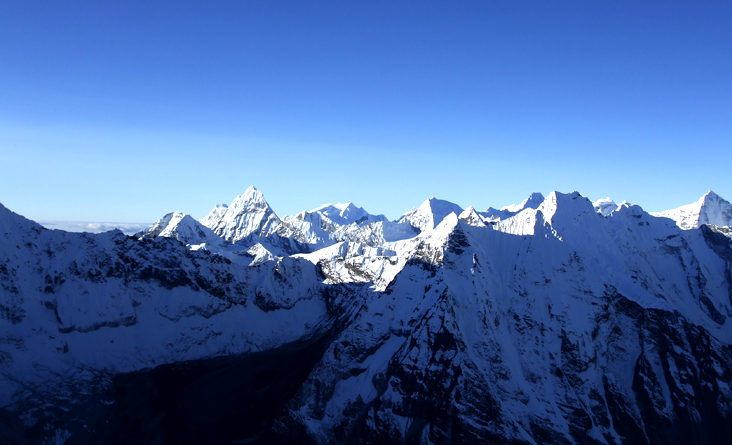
<point>560,322</point>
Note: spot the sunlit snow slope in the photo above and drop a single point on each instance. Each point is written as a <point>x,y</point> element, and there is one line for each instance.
<point>557,320</point>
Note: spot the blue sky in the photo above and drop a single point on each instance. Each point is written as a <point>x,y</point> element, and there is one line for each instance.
<point>124,111</point>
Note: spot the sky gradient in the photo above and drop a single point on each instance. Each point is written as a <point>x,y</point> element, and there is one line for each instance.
<point>126,111</point>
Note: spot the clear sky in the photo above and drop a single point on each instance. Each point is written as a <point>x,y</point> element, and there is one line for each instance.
<point>124,111</point>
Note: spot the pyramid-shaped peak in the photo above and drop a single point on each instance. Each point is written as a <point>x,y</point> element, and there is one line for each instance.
<point>171,219</point>
<point>470,216</point>
<point>430,213</point>
<point>248,213</point>
<point>711,196</point>
<point>441,206</point>
<point>250,193</point>
<point>251,200</point>
<point>715,210</point>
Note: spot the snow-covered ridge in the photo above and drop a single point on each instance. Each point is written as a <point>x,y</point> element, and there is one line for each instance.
<point>342,214</point>
<point>249,218</point>
<point>556,320</point>
<point>532,202</point>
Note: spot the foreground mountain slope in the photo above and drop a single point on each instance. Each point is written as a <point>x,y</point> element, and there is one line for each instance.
<point>553,322</point>
<point>488,337</point>
<point>78,309</point>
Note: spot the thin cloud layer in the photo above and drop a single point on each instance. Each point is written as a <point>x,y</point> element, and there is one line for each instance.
<point>95,227</point>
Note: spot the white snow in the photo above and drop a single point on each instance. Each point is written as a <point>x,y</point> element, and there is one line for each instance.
<point>604,206</point>
<point>248,214</point>
<point>709,209</point>
<point>429,215</point>
<point>513,286</point>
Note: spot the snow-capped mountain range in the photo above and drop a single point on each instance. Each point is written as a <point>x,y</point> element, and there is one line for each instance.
<point>557,320</point>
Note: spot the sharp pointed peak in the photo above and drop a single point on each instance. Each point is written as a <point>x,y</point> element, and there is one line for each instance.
<point>251,194</point>
<point>433,199</point>
<point>251,190</point>
<point>441,204</point>
<point>712,195</point>
<point>471,217</point>
<point>710,198</point>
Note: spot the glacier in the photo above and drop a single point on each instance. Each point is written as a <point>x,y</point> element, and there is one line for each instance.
<point>556,320</point>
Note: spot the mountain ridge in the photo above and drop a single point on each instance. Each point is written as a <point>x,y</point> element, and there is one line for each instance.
<point>561,323</point>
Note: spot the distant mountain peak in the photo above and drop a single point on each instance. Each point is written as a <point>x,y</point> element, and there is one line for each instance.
<point>709,209</point>
<point>470,216</point>
<point>251,198</point>
<point>182,227</point>
<point>430,213</point>
<point>342,213</point>
<point>532,202</point>
<point>249,213</point>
